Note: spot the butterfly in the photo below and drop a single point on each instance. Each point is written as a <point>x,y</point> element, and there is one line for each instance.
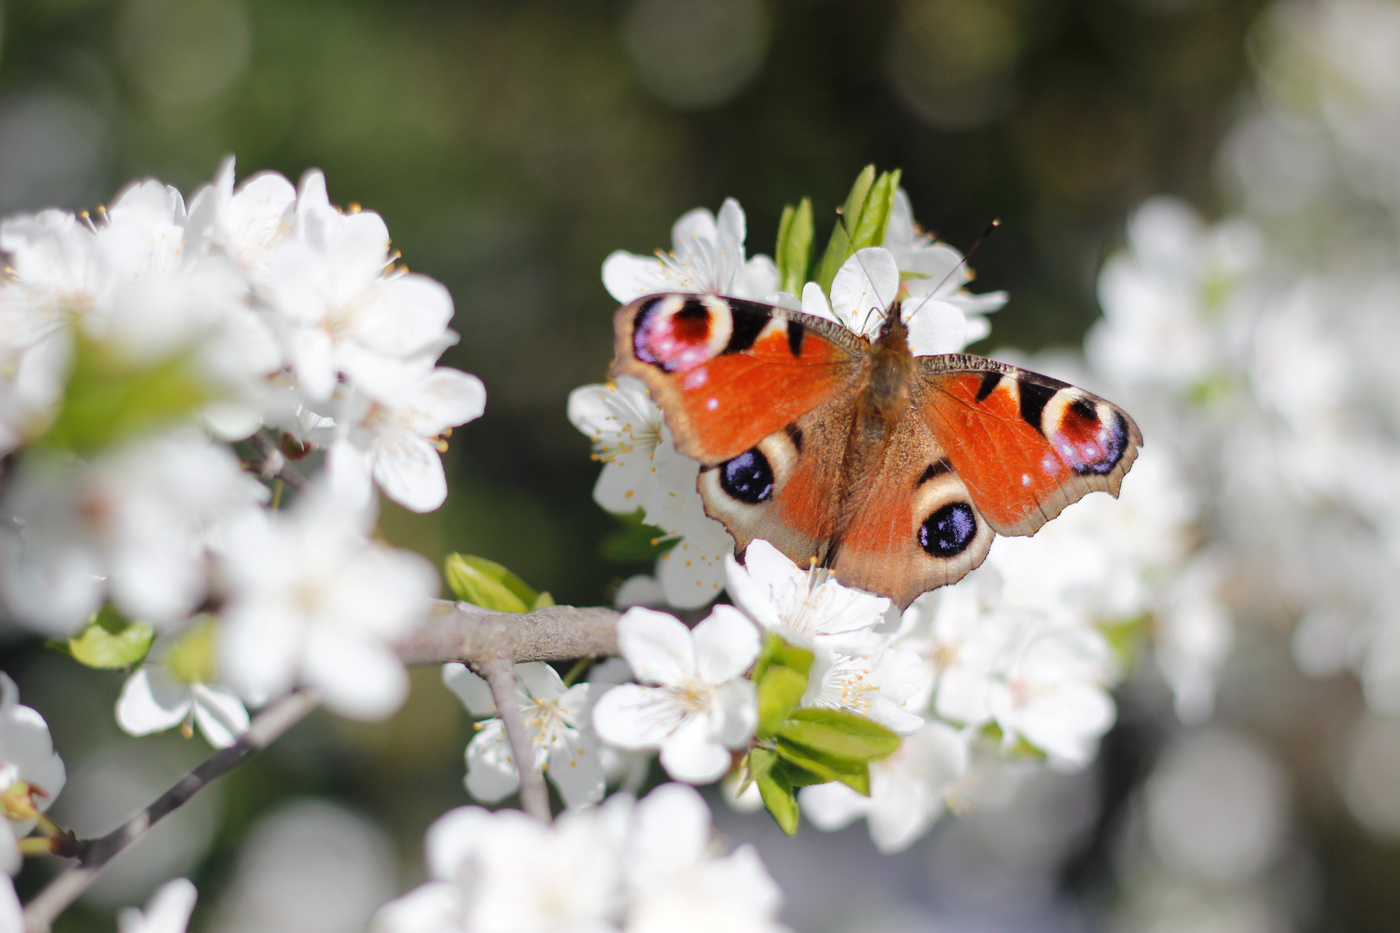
<point>893,471</point>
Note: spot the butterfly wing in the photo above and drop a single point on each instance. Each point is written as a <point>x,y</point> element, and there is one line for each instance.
<point>785,489</point>
<point>1025,445</point>
<point>910,524</point>
<point>728,373</point>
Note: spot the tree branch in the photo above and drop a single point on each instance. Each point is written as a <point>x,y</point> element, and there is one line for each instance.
<point>266,728</point>
<point>490,641</point>
<point>499,673</point>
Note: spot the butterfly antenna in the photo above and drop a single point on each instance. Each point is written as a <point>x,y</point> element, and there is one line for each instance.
<point>962,262</point>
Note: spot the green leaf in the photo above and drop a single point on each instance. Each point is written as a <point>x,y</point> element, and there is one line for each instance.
<point>634,540</point>
<point>869,229</point>
<point>486,583</point>
<point>839,735</point>
<point>757,764</point>
<point>109,397</point>
<point>111,641</point>
<point>191,658</point>
<point>781,801</point>
<point>862,223</point>
<point>777,651</point>
<point>801,766</point>
<point>543,600</point>
<point>794,252</point>
<point>779,692</point>
<point>838,247</point>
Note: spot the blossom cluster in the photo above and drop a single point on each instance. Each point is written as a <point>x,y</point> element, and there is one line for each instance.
<point>647,865</point>
<point>163,366</point>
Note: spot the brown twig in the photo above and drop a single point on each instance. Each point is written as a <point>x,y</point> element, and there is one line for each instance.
<point>491,641</point>
<point>267,727</point>
<point>499,673</point>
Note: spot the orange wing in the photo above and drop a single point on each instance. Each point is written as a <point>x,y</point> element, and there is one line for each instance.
<point>1025,445</point>
<point>728,373</point>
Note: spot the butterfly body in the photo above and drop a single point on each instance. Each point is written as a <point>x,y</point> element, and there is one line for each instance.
<point>893,470</point>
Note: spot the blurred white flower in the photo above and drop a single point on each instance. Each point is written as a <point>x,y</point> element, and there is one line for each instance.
<point>26,758</point>
<point>131,526</point>
<point>642,470</point>
<point>909,790</point>
<point>697,704</point>
<point>245,224</point>
<point>395,437</point>
<point>312,600</point>
<point>168,910</point>
<point>1168,300</point>
<point>1052,694</point>
<point>639,867</point>
<point>707,256</point>
<point>1039,676</point>
<point>11,911</point>
<point>678,886</point>
<point>174,687</point>
<point>557,720</point>
<point>506,872</point>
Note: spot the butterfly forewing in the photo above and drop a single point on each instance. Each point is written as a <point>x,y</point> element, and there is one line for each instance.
<point>1024,444</point>
<point>727,373</point>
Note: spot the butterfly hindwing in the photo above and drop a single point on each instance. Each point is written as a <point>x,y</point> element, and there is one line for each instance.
<point>910,524</point>
<point>1025,445</point>
<point>727,372</point>
<point>784,488</point>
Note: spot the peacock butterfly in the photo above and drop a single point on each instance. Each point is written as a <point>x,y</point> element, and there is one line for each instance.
<point>892,470</point>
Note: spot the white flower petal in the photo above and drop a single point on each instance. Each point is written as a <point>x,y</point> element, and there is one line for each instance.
<point>474,692</point>
<point>692,755</point>
<point>726,645</point>
<point>657,646</point>
<point>152,701</point>
<point>576,770</point>
<point>635,717</point>
<point>935,327</point>
<point>356,678</point>
<point>491,771</point>
<point>866,285</point>
<point>220,715</point>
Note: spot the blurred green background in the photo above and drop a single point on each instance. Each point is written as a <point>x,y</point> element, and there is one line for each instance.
<point>510,146</point>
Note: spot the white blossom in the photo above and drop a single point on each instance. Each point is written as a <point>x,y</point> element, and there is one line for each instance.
<point>625,866</point>
<point>338,310</point>
<point>133,526</point>
<point>677,886</point>
<point>395,438</point>
<point>707,256</point>
<point>694,702</point>
<point>806,606</point>
<point>26,756</point>
<point>175,687</point>
<point>909,790</point>
<point>642,470</point>
<point>313,601</point>
<point>168,910</point>
<point>557,722</point>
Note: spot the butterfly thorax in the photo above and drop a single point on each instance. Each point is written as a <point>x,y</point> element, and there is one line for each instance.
<point>890,373</point>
